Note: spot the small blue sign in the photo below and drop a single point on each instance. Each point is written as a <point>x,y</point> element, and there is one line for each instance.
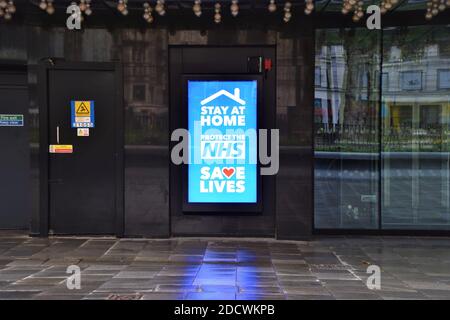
<point>222,123</point>
<point>11,120</point>
<point>82,114</point>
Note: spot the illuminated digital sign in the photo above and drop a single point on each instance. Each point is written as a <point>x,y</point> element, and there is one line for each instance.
<point>222,123</point>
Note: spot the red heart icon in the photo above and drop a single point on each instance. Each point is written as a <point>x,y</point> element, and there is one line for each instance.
<point>228,172</point>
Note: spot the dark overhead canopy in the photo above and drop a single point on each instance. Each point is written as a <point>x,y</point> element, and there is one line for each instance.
<point>326,13</point>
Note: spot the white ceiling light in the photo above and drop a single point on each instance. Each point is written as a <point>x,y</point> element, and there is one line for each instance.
<point>309,6</point>
<point>287,11</point>
<point>43,5</point>
<point>234,8</point>
<point>85,7</point>
<point>436,6</point>
<point>272,6</point>
<point>47,6</point>
<point>50,9</point>
<point>358,11</point>
<point>159,8</point>
<point>147,12</point>
<point>122,7</point>
<point>197,8</point>
<point>7,9</point>
<point>217,15</point>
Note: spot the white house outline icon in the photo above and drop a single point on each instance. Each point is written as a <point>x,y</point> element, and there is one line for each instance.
<point>236,96</point>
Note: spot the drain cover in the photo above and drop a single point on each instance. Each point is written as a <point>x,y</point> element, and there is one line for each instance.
<point>136,296</point>
<point>330,266</point>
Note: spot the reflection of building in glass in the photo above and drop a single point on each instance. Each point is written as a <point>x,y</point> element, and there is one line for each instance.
<point>346,84</point>
<point>387,168</point>
<point>329,83</point>
<point>415,93</point>
<point>144,85</point>
<point>418,95</point>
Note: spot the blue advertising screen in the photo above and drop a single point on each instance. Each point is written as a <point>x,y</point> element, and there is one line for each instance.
<point>222,124</point>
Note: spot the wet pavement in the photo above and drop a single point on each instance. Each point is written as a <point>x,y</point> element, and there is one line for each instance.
<point>212,268</point>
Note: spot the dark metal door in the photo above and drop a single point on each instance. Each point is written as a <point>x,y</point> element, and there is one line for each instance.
<point>14,151</point>
<point>82,184</point>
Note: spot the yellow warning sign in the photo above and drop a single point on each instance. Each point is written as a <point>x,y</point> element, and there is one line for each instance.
<point>82,108</point>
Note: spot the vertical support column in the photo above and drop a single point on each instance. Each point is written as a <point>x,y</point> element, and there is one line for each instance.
<point>295,102</point>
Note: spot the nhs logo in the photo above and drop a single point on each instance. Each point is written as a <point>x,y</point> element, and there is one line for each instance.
<point>211,150</point>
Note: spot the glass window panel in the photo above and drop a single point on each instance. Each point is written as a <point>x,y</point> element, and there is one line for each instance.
<point>346,129</point>
<point>385,81</point>
<point>317,77</point>
<point>444,79</point>
<point>415,123</point>
<point>411,80</point>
